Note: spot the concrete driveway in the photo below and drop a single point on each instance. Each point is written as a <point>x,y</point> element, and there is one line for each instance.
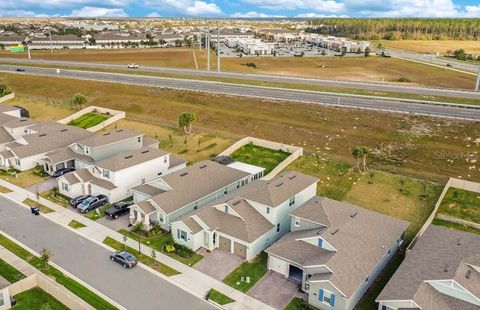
<point>136,288</point>
<point>120,223</point>
<point>218,264</point>
<point>43,187</point>
<point>274,290</point>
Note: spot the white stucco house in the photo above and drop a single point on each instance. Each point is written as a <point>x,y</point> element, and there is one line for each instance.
<point>335,251</point>
<point>248,220</point>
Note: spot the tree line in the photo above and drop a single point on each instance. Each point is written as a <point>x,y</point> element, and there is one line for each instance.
<point>399,28</point>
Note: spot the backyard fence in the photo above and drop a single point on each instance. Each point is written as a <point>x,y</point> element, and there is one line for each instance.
<point>7,97</point>
<point>116,115</point>
<point>295,152</point>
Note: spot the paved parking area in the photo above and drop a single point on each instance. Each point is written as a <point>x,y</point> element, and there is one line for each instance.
<point>218,264</point>
<point>274,290</point>
<point>44,186</point>
<point>120,223</point>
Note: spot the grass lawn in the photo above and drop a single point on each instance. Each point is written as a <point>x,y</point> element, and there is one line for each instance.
<point>433,46</point>
<point>76,225</point>
<point>461,204</point>
<point>76,288</point>
<point>22,179</point>
<point>9,273</point>
<point>93,215</point>
<point>4,190</point>
<point>56,198</point>
<point>158,243</point>
<point>32,203</point>
<point>88,120</point>
<point>219,298</point>
<point>259,156</point>
<point>147,260</point>
<point>36,298</point>
<point>456,226</point>
<point>298,304</point>
<point>255,269</point>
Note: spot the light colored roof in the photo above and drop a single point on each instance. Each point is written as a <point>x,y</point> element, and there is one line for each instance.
<point>195,182</point>
<point>440,253</point>
<point>7,154</point>
<point>146,207</point>
<point>5,137</point>
<point>148,189</point>
<point>4,118</point>
<point>86,176</point>
<point>130,159</point>
<point>110,137</point>
<point>19,122</point>
<point>149,141</point>
<point>7,108</point>
<point>352,231</point>
<point>175,161</point>
<point>71,178</point>
<point>246,167</point>
<point>65,154</point>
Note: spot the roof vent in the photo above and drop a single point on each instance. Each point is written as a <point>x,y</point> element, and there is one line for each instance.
<point>236,202</point>
<point>445,268</point>
<point>279,184</point>
<point>63,130</point>
<point>128,157</point>
<point>145,152</point>
<point>459,242</point>
<point>183,174</point>
<point>203,166</point>
<point>468,274</point>
<point>23,120</point>
<point>335,231</point>
<point>353,215</point>
<point>120,130</point>
<point>106,134</point>
<point>293,177</point>
<point>42,135</point>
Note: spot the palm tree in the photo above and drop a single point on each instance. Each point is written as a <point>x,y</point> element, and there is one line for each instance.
<point>357,154</point>
<point>185,121</point>
<point>365,151</point>
<point>79,100</point>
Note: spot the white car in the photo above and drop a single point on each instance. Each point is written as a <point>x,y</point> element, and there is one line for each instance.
<point>132,66</point>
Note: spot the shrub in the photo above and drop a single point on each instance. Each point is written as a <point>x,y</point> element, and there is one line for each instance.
<point>183,251</point>
<point>138,228</point>
<point>4,90</point>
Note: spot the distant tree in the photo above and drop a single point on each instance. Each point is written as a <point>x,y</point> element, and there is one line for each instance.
<point>185,121</point>
<point>2,46</point>
<point>357,155</point>
<point>460,54</point>
<point>79,100</point>
<point>4,90</point>
<point>367,51</point>
<point>45,256</point>
<point>178,43</point>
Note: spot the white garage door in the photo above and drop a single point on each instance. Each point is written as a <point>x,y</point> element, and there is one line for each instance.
<point>278,265</point>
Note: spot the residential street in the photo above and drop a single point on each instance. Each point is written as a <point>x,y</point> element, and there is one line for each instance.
<point>133,289</point>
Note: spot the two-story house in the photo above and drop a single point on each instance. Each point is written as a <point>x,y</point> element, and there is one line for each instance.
<point>115,176</point>
<point>249,219</point>
<point>335,250</point>
<point>440,272</point>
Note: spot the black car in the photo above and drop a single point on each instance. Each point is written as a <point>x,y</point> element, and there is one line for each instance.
<point>92,203</point>
<point>124,258</point>
<point>62,171</point>
<point>74,202</point>
<point>21,69</point>
<point>118,209</point>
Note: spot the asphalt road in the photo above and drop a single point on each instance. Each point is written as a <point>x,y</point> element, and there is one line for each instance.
<point>134,288</point>
<point>435,60</point>
<point>390,105</point>
<point>456,93</point>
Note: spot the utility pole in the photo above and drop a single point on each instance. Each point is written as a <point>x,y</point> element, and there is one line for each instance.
<point>207,40</point>
<point>218,48</point>
<point>477,85</point>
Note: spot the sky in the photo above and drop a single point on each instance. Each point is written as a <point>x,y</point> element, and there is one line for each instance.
<point>241,8</point>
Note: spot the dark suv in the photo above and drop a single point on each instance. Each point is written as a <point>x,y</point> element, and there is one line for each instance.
<point>74,202</point>
<point>92,203</point>
<point>62,171</point>
<point>118,209</point>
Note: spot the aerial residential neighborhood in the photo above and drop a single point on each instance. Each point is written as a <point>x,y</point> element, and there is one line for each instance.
<point>240,155</point>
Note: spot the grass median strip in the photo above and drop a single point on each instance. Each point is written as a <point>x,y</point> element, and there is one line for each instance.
<point>76,225</point>
<point>219,298</point>
<point>73,286</point>
<point>147,260</point>
<point>4,190</point>
<point>32,203</point>
<point>9,273</point>
<point>254,270</point>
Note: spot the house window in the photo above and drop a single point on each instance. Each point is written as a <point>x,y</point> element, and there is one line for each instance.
<point>320,243</point>
<point>65,187</point>
<point>225,191</point>
<point>159,174</point>
<point>268,210</point>
<point>366,280</point>
<point>139,139</point>
<point>106,174</point>
<point>143,181</point>
<point>297,222</point>
<point>326,297</point>
<point>17,162</point>
<point>386,308</point>
<point>226,209</point>
<point>292,201</point>
<point>165,159</point>
<point>278,227</point>
<point>87,150</point>
<point>161,218</point>
<point>183,235</point>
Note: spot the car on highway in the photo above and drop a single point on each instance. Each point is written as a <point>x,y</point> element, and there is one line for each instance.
<point>92,203</point>
<point>133,66</point>
<point>63,171</point>
<point>118,209</point>
<point>20,69</point>
<point>124,258</point>
<point>74,202</point>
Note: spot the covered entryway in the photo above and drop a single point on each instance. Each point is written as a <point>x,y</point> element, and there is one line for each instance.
<point>240,250</point>
<point>295,273</point>
<point>224,243</point>
<point>71,164</point>
<point>59,166</point>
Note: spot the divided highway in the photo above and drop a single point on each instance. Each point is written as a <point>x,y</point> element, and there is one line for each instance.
<point>312,97</point>
<point>385,87</point>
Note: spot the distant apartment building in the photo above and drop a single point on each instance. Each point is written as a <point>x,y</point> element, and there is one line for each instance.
<point>57,42</point>
<point>251,46</point>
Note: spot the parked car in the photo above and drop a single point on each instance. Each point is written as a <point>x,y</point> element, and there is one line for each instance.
<point>92,203</point>
<point>21,69</point>
<point>118,209</point>
<point>74,202</point>
<point>63,171</point>
<point>124,258</point>
<point>133,66</point>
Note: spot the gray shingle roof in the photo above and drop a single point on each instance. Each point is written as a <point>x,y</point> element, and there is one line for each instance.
<point>440,253</point>
<point>66,154</point>
<point>148,189</point>
<point>130,159</point>
<point>353,231</point>
<point>109,137</point>
<point>5,137</point>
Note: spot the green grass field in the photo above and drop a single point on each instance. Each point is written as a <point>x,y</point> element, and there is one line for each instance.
<point>36,298</point>
<point>254,269</point>
<point>32,203</point>
<point>259,156</point>
<point>461,204</point>
<point>88,120</point>
<point>455,226</point>
<point>9,273</point>
<point>219,298</point>
<point>76,225</point>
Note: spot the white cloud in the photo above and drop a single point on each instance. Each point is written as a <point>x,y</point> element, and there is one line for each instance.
<point>253,14</point>
<point>315,5</point>
<point>20,13</point>
<point>186,7</point>
<point>89,11</point>
<point>153,14</point>
<point>472,11</point>
<point>315,15</point>
<point>60,4</point>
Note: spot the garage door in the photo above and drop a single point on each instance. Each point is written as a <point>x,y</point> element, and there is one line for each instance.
<point>224,243</point>
<point>71,163</point>
<point>240,250</point>
<point>277,265</point>
<point>60,166</point>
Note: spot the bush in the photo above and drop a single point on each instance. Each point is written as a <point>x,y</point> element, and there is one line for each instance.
<point>138,228</point>
<point>4,90</point>
<point>251,65</point>
<point>183,251</point>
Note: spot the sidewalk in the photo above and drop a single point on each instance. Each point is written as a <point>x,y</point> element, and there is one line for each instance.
<point>189,279</point>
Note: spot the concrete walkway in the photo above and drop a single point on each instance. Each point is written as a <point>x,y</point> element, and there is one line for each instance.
<point>189,279</point>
